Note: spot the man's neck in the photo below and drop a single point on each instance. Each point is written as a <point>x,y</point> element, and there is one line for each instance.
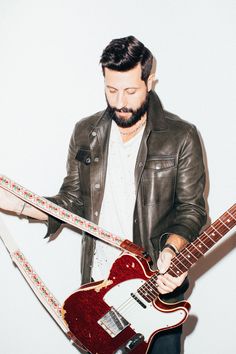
<point>129,133</point>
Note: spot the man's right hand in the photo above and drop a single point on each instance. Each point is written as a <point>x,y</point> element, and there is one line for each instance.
<point>9,202</point>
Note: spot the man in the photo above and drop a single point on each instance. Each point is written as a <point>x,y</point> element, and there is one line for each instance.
<point>135,170</point>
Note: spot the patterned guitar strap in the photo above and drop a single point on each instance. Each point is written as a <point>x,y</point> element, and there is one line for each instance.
<point>41,291</point>
<point>70,218</point>
<point>47,299</point>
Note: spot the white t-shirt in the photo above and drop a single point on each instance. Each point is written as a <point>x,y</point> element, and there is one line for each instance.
<point>119,199</point>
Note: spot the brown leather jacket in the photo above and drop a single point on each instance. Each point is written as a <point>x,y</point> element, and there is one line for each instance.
<point>169,177</point>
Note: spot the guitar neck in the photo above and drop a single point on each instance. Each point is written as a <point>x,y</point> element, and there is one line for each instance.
<point>207,239</point>
<point>191,253</point>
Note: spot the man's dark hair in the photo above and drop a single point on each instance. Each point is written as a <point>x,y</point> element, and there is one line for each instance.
<point>123,54</point>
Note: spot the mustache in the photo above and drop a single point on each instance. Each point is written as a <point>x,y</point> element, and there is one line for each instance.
<point>123,110</point>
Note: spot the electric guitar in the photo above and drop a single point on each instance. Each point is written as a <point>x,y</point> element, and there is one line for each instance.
<point>122,313</point>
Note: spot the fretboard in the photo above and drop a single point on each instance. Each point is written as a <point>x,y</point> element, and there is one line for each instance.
<point>195,250</point>
<point>207,239</point>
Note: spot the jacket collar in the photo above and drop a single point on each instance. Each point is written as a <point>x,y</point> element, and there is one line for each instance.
<point>102,123</point>
<point>155,118</point>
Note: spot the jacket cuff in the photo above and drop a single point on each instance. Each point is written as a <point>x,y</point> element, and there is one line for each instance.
<point>53,225</point>
<point>183,231</point>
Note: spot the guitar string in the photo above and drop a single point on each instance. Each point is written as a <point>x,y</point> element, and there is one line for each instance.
<point>148,292</point>
<point>126,306</point>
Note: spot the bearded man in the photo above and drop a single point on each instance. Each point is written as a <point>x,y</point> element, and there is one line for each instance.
<point>135,170</point>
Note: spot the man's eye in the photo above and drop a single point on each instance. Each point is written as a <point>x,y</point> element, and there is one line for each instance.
<point>112,91</point>
<point>131,92</point>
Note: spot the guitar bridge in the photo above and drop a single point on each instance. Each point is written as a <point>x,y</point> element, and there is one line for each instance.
<point>113,322</point>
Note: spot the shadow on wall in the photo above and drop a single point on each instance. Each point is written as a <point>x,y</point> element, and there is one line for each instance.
<point>204,265</point>
<point>207,262</point>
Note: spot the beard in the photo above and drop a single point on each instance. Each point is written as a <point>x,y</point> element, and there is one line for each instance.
<point>135,117</point>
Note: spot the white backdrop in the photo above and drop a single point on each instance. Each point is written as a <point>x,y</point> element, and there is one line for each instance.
<point>49,79</point>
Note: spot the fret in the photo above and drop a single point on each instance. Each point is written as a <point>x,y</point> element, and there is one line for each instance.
<point>152,287</point>
<point>178,270</point>
<point>231,215</point>
<point>172,271</point>
<point>191,254</point>
<point>154,290</point>
<point>177,267</point>
<point>197,248</point>
<point>224,224</point>
<point>181,257</point>
<point>154,278</point>
<point>229,219</point>
<point>202,245</point>
<point>145,295</point>
<point>217,231</point>
<point>209,237</point>
<point>214,233</point>
<point>177,259</point>
<point>207,240</point>
<point>187,259</point>
<point>148,291</point>
<point>221,228</point>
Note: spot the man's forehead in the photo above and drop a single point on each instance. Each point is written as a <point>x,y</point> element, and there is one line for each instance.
<point>130,77</point>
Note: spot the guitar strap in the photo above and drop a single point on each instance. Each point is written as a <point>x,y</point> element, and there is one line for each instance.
<point>70,218</point>
<point>39,288</point>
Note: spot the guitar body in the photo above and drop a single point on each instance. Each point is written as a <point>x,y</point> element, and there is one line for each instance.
<point>111,317</point>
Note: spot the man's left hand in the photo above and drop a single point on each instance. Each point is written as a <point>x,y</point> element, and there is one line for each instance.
<point>165,282</point>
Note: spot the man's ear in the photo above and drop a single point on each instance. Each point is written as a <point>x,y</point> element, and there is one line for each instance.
<point>150,81</point>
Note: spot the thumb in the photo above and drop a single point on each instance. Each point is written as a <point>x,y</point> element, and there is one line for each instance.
<point>164,260</point>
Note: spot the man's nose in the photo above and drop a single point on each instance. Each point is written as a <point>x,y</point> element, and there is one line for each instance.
<point>120,101</point>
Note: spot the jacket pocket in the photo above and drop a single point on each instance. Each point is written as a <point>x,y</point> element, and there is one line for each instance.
<point>157,164</point>
<point>158,180</point>
<point>84,155</point>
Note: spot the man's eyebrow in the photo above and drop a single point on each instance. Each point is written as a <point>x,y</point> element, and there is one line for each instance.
<point>131,88</point>
<point>127,88</point>
<point>111,87</point>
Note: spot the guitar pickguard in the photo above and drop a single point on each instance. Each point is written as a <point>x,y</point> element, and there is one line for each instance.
<point>111,314</point>
<point>146,317</point>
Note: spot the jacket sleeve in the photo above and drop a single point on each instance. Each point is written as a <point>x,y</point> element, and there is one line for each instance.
<point>188,215</point>
<point>69,196</point>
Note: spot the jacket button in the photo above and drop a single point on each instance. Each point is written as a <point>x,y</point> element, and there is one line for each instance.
<point>140,164</point>
<point>94,133</point>
<point>96,159</point>
<point>88,160</point>
<point>97,185</point>
<point>96,213</point>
